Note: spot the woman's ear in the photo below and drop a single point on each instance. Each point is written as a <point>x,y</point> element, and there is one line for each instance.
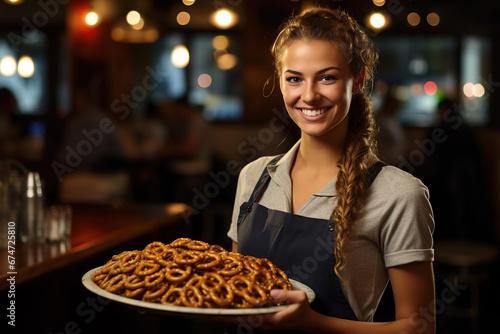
<point>359,82</point>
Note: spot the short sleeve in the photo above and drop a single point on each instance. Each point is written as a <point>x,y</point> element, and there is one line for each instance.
<point>408,224</point>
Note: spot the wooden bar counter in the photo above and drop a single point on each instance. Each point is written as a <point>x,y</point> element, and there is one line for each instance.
<point>95,229</point>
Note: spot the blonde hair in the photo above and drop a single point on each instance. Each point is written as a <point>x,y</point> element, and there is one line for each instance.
<point>361,55</point>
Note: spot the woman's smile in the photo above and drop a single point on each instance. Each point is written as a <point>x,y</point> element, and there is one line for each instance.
<point>313,112</point>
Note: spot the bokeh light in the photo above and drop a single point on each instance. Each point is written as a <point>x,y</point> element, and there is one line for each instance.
<point>433,19</point>
<point>430,88</point>
<point>183,18</point>
<point>26,67</point>
<point>91,18</point>
<point>8,66</point>
<point>468,89</point>
<point>180,56</point>
<point>478,90</point>
<point>204,80</point>
<point>413,19</point>
<point>220,42</point>
<point>377,20</point>
<point>133,17</point>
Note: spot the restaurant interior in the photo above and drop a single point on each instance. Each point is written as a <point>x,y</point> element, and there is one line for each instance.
<point>137,116</point>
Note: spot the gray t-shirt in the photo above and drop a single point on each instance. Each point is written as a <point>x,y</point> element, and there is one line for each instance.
<point>395,226</point>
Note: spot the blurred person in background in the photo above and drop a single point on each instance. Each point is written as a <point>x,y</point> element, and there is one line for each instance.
<point>92,153</point>
<point>454,173</point>
<point>391,138</point>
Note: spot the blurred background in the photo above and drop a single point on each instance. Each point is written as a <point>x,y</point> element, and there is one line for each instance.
<point>165,100</point>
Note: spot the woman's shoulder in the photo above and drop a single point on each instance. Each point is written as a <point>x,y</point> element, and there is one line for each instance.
<point>394,180</point>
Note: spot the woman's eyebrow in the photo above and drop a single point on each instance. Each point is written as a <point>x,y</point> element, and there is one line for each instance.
<point>318,72</point>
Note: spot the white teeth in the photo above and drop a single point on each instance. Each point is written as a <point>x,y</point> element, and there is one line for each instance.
<point>313,112</point>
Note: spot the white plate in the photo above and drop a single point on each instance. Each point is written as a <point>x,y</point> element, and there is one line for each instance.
<point>148,306</point>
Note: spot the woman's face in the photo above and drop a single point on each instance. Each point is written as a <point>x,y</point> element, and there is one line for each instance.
<point>317,87</point>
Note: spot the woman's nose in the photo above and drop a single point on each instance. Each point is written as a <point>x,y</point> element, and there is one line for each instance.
<point>310,93</point>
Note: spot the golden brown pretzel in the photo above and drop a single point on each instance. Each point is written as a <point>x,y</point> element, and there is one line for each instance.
<point>117,283</point>
<point>176,273</point>
<point>191,296</point>
<point>129,261</point>
<point>146,268</point>
<point>172,296</point>
<point>187,257</point>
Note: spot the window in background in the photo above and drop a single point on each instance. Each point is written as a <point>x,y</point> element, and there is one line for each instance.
<point>475,79</point>
<point>23,70</point>
<point>174,84</point>
<point>420,71</point>
<point>205,68</point>
<point>214,76</point>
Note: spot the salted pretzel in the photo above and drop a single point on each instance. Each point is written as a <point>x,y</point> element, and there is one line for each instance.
<point>192,273</point>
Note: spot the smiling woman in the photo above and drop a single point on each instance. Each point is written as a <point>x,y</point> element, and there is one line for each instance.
<point>331,189</point>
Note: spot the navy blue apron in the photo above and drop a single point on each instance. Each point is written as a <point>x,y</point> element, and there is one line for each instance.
<point>301,246</point>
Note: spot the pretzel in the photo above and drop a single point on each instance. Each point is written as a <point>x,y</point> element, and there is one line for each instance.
<point>176,273</point>
<point>191,296</point>
<point>191,273</point>
<point>146,268</point>
<point>187,257</point>
<point>129,261</point>
<point>116,283</point>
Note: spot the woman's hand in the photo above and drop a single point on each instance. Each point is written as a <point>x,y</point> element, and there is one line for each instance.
<point>295,316</point>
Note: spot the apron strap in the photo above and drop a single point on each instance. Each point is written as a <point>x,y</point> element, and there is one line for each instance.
<point>262,180</point>
<point>373,171</point>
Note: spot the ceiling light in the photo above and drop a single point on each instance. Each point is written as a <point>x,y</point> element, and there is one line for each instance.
<point>224,18</point>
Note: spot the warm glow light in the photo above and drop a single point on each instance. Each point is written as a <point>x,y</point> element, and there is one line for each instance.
<point>183,18</point>
<point>379,3</point>
<point>430,88</point>
<point>8,66</point>
<point>433,19</point>
<point>204,80</point>
<point>139,25</point>
<point>224,18</point>
<point>478,90</point>
<point>180,56</point>
<point>218,53</point>
<point>413,19</point>
<point>220,42</point>
<point>133,17</point>
<point>188,2</point>
<point>468,89</point>
<point>227,61</point>
<point>26,67</point>
<point>91,18</point>
<point>377,20</point>
<point>14,2</point>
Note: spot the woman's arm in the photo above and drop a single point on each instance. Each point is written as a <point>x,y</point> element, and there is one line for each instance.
<point>413,288</point>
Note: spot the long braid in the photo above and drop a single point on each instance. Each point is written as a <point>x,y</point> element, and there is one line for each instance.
<point>351,179</point>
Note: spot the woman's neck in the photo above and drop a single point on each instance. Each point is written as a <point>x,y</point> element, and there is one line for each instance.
<point>318,153</point>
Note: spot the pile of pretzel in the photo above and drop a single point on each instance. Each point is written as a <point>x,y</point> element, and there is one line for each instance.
<point>192,273</point>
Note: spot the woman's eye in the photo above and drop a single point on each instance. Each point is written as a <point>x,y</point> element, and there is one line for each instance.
<point>328,78</point>
<point>293,79</point>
